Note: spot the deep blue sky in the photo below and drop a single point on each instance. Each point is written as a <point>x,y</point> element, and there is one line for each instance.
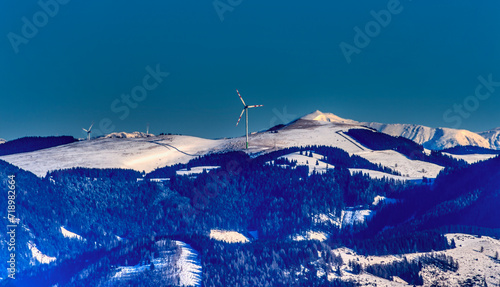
<point>281,55</point>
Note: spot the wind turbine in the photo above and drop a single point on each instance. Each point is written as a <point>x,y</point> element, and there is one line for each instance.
<point>245,109</point>
<point>88,131</point>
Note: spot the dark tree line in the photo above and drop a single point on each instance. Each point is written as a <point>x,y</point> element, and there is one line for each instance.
<point>379,141</point>
<point>28,144</point>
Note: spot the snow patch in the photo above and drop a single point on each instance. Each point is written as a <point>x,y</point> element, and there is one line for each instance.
<point>228,236</point>
<point>68,234</point>
<point>38,255</point>
<point>472,158</point>
<point>310,235</point>
<point>355,216</point>
<point>196,170</point>
<point>382,199</point>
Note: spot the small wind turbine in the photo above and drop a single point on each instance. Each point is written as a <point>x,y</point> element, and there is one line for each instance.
<point>88,131</point>
<point>147,129</point>
<point>245,109</point>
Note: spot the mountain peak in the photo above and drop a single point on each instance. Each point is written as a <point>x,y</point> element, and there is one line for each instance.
<point>327,117</point>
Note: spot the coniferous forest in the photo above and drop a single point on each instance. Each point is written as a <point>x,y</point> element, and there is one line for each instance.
<point>122,214</point>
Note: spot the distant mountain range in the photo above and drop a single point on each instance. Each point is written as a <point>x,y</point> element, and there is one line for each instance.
<point>430,138</point>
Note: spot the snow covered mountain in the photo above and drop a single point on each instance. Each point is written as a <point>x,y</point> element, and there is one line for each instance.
<point>431,138</point>
<point>146,152</point>
<point>493,137</point>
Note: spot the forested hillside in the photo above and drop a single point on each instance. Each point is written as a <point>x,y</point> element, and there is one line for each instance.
<point>120,218</point>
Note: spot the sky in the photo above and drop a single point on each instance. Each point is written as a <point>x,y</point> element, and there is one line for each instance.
<point>177,64</point>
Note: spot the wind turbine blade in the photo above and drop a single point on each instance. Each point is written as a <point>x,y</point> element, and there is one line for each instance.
<point>241,98</point>
<point>255,106</point>
<point>240,117</point>
<point>91,127</point>
<point>85,130</point>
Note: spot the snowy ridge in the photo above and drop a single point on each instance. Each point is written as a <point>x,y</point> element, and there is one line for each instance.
<point>121,150</point>
<point>493,137</point>
<point>432,138</point>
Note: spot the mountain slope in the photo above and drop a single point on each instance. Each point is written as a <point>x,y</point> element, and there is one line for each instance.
<point>493,137</point>
<point>431,138</point>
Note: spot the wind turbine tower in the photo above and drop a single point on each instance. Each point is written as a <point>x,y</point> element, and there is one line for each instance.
<point>88,131</point>
<point>245,110</point>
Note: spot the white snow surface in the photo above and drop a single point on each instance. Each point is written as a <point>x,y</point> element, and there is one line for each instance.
<point>228,236</point>
<point>2,141</point>
<point>328,117</point>
<point>354,216</point>
<point>195,170</point>
<point>471,262</point>
<point>398,162</point>
<point>124,135</point>
<point>493,137</point>
<point>123,150</point>
<point>189,265</point>
<point>310,235</point>
<point>303,159</point>
<point>68,234</point>
<point>322,167</point>
<point>38,255</point>
<point>432,138</point>
<point>472,158</point>
<point>382,199</point>
<point>141,154</point>
<point>380,175</point>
